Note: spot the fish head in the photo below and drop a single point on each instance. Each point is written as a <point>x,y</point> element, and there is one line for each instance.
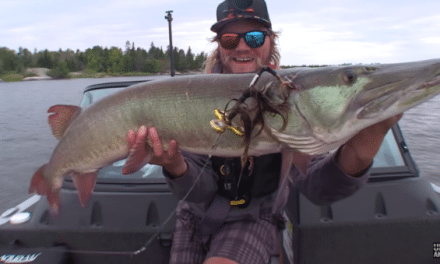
<point>329,105</point>
<point>322,99</point>
<point>395,88</point>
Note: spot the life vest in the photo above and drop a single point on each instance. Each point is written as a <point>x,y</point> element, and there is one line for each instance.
<point>260,177</point>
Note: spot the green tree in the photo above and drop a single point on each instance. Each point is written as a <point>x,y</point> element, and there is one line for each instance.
<point>127,47</point>
<point>45,59</point>
<point>56,57</point>
<point>82,58</point>
<point>151,66</point>
<point>24,57</point>
<point>139,60</point>
<point>73,62</point>
<point>59,72</point>
<point>127,63</point>
<point>94,59</point>
<point>115,60</point>
<point>8,59</point>
<point>189,58</point>
<point>181,64</point>
<point>199,60</point>
<point>98,59</point>
<point>156,53</point>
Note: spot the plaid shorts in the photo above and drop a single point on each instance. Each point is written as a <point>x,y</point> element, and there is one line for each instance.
<point>246,241</point>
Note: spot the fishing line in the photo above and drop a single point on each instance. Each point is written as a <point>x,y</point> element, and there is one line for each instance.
<point>214,146</point>
<point>172,214</point>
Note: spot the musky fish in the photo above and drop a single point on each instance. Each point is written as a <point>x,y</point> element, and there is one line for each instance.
<point>304,110</point>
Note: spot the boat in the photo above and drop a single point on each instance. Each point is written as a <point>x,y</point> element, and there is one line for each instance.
<point>394,218</point>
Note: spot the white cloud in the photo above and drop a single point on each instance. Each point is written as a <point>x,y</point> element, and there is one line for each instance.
<point>352,33</point>
<point>132,4</point>
<point>435,40</point>
<point>315,44</point>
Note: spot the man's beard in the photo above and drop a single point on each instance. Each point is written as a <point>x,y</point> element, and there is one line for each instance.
<point>227,69</point>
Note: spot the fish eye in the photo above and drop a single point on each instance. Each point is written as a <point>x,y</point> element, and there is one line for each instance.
<point>349,77</point>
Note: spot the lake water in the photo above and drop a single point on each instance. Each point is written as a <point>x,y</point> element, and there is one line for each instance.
<point>26,141</point>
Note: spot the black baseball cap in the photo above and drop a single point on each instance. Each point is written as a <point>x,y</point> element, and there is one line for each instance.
<point>232,10</point>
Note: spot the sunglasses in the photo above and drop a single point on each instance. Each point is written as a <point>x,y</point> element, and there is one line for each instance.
<point>253,39</point>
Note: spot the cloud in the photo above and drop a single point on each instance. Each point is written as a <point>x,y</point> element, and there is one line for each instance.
<point>305,44</point>
<point>351,33</point>
<point>313,32</point>
<point>435,40</point>
<point>136,4</point>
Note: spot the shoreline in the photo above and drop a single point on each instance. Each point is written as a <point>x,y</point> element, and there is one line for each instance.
<point>40,75</point>
<point>37,78</point>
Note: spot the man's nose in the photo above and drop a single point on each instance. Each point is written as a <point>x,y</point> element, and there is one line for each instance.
<point>242,45</point>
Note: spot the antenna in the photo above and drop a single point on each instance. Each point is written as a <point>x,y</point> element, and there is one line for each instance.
<point>170,18</point>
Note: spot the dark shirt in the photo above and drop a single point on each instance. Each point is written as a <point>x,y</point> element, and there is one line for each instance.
<point>323,183</point>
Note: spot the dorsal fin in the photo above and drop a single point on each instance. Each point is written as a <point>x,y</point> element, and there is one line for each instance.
<point>62,117</point>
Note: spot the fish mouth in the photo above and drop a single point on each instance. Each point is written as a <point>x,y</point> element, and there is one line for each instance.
<point>402,92</point>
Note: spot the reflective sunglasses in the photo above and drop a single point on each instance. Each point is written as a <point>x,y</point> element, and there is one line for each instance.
<point>253,39</point>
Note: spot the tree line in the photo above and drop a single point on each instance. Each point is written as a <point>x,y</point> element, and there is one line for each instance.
<point>98,59</point>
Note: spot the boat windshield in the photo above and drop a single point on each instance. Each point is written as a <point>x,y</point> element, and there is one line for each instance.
<point>94,95</point>
<point>389,154</point>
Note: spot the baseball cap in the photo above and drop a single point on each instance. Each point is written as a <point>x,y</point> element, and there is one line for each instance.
<point>232,10</point>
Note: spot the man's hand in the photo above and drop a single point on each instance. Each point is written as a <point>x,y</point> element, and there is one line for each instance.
<point>358,153</point>
<point>171,160</point>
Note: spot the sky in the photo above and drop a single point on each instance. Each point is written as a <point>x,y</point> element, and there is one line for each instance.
<point>312,31</point>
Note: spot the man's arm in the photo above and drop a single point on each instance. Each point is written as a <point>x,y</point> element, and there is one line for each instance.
<point>325,181</point>
<point>337,176</point>
<point>358,153</point>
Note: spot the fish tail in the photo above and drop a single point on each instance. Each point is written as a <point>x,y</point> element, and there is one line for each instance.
<point>41,186</point>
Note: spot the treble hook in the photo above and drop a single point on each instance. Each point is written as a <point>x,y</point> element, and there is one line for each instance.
<point>220,125</point>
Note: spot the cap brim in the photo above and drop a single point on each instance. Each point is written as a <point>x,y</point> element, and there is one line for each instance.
<point>220,24</point>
